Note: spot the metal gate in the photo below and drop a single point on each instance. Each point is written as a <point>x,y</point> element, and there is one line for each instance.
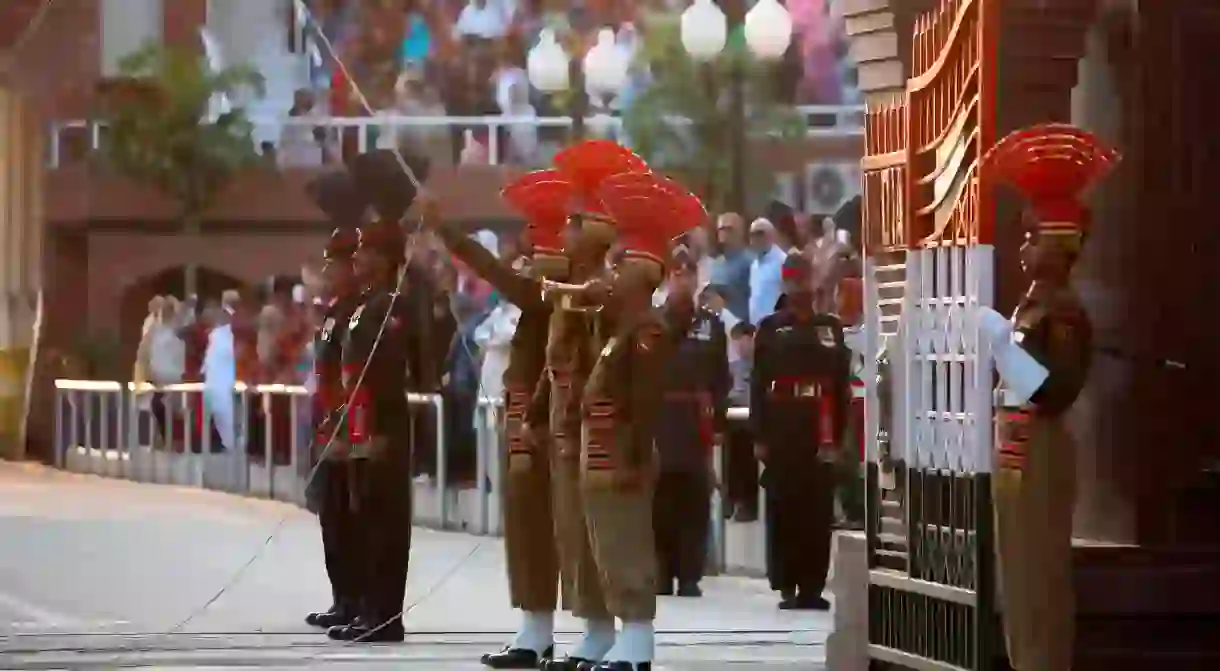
<point>928,234</point>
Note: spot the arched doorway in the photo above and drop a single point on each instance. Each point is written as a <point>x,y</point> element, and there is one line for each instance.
<point>169,282</point>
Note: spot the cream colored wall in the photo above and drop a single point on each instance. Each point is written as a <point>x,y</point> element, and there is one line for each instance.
<point>21,244</point>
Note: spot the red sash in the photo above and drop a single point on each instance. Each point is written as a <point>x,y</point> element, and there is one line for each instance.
<point>359,405</point>
<point>707,429</point>
<point>811,390</point>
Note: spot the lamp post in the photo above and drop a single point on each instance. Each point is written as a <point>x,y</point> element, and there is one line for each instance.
<point>603,71</point>
<point>705,29</point>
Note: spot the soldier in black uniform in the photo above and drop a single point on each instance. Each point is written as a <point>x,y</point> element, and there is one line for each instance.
<point>696,380</point>
<point>327,493</point>
<point>799,400</point>
<point>386,353</point>
<point>330,494</point>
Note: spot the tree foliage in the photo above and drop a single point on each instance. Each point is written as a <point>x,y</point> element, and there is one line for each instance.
<point>158,133</point>
<point>682,88</point>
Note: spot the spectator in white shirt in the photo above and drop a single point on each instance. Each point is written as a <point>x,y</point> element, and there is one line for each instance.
<point>766,270</point>
<point>220,376</point>
<point>481,19</point>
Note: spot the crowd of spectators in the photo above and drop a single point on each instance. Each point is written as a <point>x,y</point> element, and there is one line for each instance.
<point>467,58</point>
<point>266,337</point>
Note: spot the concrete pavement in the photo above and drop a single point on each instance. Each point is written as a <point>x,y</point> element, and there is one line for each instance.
<point>94,572</point>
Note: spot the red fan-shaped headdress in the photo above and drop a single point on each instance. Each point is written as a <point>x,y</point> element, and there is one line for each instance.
<point>542,197</point>
<point>649,213</point>
<point>1051,165</point>
<point>588,164</point>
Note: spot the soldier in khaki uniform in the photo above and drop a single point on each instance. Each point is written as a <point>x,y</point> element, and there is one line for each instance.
<point>572,347</point>
<point>1044,362</point>
<point>1043,358</point>
<point>529,529</point>
<point>621,399</point>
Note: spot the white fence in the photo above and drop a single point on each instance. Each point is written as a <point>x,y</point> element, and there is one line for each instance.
<point>108,429</point>
<point>820,121</point>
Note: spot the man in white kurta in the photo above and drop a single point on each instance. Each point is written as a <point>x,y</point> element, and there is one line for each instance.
<point>219,378</point>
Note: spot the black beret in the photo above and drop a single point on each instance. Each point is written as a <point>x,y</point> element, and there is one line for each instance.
<point>335,194</point>
<point>379,176</point>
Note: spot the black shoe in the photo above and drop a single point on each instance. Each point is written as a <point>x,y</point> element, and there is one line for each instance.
<point>516,658</point>
<point>665,588</point>
<point>390,632</point>
<point>805,603</point>
<point>787,595</point>
<point>328,619</point>
<point>566,664</point>
<point>315,619</point>
<point>350,632</point>
<point>689,589</point>
<point>623,666</point>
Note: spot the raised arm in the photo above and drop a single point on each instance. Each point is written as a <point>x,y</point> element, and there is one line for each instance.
<point>524,292</point>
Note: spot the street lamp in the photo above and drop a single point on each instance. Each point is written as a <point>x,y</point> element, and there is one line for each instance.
<point>768,29</point>
<point>604,70</point>
<point>704,29</point>
<point>768,33</point>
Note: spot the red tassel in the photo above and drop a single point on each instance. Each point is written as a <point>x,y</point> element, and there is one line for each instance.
<point>826,419</point>
<point>358,409</point>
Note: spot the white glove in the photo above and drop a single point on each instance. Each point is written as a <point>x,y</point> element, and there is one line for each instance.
<point>995,327</point>
<point>1020,371</point>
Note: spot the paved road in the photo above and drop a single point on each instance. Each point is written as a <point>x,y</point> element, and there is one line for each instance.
<point>93,572</point>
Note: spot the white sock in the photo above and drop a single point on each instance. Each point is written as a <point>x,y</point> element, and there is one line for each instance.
<point>598,639</point>
<point>537,631</point>
<point>636,643</point>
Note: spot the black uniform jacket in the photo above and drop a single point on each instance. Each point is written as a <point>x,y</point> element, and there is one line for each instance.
<point>800,390</point>
<point>696,385</point>
<point>388,341</point>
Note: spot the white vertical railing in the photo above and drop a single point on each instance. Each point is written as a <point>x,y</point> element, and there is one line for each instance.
<point>108,429</point>
<point>821,121</point>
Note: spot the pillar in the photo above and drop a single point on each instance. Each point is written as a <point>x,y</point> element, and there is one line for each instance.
<point>880,32</point>
<point>21,240</point>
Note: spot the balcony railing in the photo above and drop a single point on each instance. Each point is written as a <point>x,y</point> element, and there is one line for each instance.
<point>442,133</point>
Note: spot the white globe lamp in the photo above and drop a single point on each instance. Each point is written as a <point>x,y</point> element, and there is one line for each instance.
<point>606,65</point>
<point>547,64</point>
<point>768,29</point>
<point>704,29</point>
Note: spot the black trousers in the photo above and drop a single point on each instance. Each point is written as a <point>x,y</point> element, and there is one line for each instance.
<point>800,512</point>
<point>680,523</point>
<point>383,510</point>
<point>340,536</point>
<point>741,471</point>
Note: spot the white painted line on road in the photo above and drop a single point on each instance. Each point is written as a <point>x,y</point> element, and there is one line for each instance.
<point>45,616</point>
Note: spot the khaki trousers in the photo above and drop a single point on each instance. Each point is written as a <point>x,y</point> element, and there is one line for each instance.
<point>582,587</point>
<point>620,530</point>
<point>532,557</point>
<point>1033,512</point>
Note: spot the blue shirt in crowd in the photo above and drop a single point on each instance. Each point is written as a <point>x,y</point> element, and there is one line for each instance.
<point>731,271</point>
